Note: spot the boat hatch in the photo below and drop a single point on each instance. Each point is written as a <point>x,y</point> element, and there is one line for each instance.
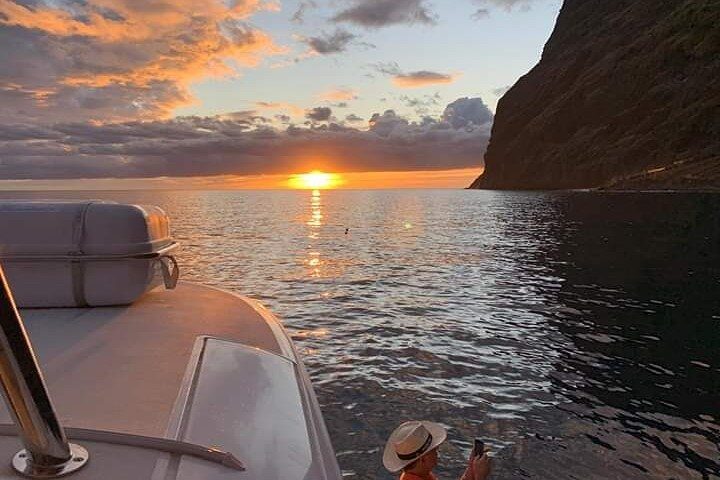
<point>243,400</point>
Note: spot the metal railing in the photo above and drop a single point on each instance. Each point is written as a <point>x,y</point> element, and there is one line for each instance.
<point>47,453</point>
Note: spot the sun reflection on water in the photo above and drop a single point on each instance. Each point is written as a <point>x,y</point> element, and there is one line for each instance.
<point>315,222</point>
<point>315,209</point>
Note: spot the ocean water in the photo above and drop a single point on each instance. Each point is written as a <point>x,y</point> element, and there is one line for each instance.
<point>577,333</point>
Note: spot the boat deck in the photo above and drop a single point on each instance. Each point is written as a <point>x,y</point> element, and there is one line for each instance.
<point>132,359</point>
<point>196,364</point>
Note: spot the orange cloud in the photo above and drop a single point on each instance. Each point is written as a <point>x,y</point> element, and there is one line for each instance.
<point>338,95</point>
<point>185,63</point>
<point>423,78</point>
<point>147,51</point>
<point>281,106</point>
<point>131,20</point>
<point>61,23</point>
<point>39,95</point>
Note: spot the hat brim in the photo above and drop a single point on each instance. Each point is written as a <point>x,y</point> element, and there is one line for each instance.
<point>394,464</point>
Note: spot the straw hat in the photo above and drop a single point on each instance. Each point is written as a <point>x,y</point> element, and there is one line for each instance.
<point>410,441</point>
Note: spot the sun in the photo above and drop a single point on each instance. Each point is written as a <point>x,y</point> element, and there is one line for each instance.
<point>315,180</point>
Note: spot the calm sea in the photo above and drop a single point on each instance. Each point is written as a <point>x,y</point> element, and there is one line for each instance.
<point>577,333</point>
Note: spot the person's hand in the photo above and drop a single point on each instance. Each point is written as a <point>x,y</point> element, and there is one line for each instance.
<point>481,467</point>
<point>469,474</point>
<point>478,467</point>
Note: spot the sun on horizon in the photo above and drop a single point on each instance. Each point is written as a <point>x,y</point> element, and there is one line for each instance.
<point>315,180</point>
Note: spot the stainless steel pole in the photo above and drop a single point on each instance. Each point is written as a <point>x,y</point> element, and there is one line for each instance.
<point>47,453</point>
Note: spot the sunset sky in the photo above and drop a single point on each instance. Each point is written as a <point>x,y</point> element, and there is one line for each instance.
<point>244,93</point>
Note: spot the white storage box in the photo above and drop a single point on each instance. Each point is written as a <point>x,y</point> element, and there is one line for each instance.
<point>91,253</point>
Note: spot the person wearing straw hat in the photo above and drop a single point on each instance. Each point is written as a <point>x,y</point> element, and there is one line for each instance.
<point>412,449</point>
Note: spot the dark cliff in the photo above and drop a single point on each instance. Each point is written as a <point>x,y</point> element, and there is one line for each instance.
<point>626,95</point>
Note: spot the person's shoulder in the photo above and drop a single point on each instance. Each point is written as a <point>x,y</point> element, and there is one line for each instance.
<point>411,476</point>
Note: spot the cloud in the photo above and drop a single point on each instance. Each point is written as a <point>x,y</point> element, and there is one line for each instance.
<point>319,114</point>
<point>384,124</point>
<point>352,118</point>
<point>510,4</point>
<point>507,5</point>
<point>338,95</point>
<point>467,112</point>
<point>249,116</point>
<point>481,13</point>
<point>387,68</point>
<point>101,60</point>
<point>383,13</point>
<point>500,91</point>
<point>281,106</point>
<point>238,144</point>
<point>421,105</point>
<point>421,78</point>
<point>329,43</point>
<point>303,7</point>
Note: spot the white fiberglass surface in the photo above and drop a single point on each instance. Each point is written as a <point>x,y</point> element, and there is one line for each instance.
<point>247,401</point>
<point>121,368</point>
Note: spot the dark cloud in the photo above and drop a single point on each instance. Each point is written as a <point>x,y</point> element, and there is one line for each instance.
<point>241,145</point>
<point>387,68</point>
<point>352,118</point>
<point>382,13</point>
<point>303,7</point>
<point>467,112</point>
<point>384,124</point>
<point>20,132</point>
<point>326,44</point>
<point>319,114</point>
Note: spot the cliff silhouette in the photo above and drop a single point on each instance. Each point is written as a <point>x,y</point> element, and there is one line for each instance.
<point>625,96</point>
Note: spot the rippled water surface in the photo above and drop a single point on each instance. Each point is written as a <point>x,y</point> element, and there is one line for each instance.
<point>577,333</point>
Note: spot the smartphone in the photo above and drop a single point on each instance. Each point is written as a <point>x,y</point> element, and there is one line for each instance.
<point>479,448</point>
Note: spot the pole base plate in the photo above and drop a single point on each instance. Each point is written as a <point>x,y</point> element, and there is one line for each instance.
<point>23,464</point>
